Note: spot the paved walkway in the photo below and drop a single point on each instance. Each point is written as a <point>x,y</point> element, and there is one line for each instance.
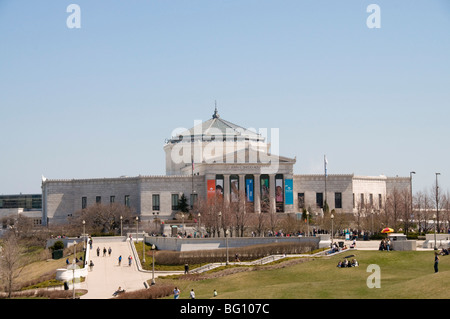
<point>106,275</point>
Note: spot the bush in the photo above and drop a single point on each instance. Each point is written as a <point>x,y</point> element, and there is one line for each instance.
<point>57,245</point>
<point>219,255</point>
<point>153,292</point>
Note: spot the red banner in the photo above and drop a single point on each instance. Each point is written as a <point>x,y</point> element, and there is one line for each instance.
<point>211,188</point>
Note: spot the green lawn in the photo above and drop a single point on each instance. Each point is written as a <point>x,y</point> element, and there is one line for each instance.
<point>403,275</point>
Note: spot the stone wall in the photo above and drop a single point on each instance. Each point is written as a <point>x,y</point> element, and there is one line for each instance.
<point>184,244</point>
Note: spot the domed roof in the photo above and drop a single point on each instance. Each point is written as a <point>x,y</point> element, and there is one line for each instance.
<point>215,128</point>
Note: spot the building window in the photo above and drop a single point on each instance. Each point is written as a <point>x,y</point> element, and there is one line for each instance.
<point>174,201</point>
<point>371,200</point>
<point>319,200</point>
<point>83,202</point>
<point>337,200</point>
<point>354,204</point>
<point>112,199</point>
<point>362,200</point>
<point>127,200</point>
<point>193,200</point>
<point>301,200</point>
<point>155,201</point>
<point>98,199</point>
<point>380,201</point>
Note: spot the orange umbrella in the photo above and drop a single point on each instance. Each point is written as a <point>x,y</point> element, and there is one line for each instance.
<point>387,230</point>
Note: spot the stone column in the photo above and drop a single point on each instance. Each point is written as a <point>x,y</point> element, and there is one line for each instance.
<point>242,185</point>
<point>226,188</point>
<point>272,190</point>
<point>257,192</point>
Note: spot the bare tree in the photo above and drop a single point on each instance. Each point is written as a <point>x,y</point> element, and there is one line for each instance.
<point>11,263</point>
<point>103,218</point>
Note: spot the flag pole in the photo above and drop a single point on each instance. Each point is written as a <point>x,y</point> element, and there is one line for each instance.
<point>325,167</point>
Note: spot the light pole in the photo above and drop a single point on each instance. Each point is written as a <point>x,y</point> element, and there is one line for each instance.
<point>437,205</point>
<point>153,268</point>
<point>226,240</point>
<point>218,227</point>
<point>121,226</point>
<point>143,247</point>
<point>84,235</point>
<point>182,223</point>
<point>73,269</point>
<point>137,228</point>
<point>411,192</point>
<point>155,220</point>
<point>332,220</point>
<point>434,218</point>
<point>307,222</point>
<point>199,225</point>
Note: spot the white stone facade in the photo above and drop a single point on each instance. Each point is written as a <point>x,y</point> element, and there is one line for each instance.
<point>238,161</point>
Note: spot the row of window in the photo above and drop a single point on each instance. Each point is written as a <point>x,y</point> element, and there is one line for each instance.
<point>155,201</point>
<point>98,200</point>
<point>338,200</point>
<point>370,202</point>
<point>320,200</point>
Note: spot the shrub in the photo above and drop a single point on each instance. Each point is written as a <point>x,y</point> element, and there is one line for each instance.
<point>57,245</point>
<point>153,292</point>
<point>219,255</point>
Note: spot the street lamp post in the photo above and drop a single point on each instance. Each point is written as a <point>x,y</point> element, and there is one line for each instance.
<point>437,205</point>
<point>199,225</point>
<point>143,247</point>
<point>84,235</point>
<point>332,233</point>
<point>226,240</point>
<point>411,192</point>
<point>137,228</point>
<point>220,219</point>
<point>153,268</point>
<point>121,226</point>
<point>307,222</point>
<point>73,268</point>
<point>434,218</point>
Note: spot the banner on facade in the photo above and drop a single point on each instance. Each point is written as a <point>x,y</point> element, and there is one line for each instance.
<point>249,189</point>
<point>211,185</point>
<point>289,191</point>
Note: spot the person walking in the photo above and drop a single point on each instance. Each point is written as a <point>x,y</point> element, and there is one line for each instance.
<point>176,293</point>
<point>104,251</point>
<point>129,260</point>
<point>120,259</point>
<point>98,251</point>
<point>192,294</point>
<point>109,251</point>
<point>436,261</point>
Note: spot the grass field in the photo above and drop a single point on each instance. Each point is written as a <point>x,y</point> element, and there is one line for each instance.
<point>403,275</point>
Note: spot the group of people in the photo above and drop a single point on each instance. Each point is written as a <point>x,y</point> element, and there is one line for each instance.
<point>385,244</point>
<point>347,264</point>
<point>176,293</point>
<point>130,259</point>
<point>335,248</point>
<point>104,251</point>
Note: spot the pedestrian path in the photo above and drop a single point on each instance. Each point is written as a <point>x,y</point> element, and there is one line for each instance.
<point>107,275</point>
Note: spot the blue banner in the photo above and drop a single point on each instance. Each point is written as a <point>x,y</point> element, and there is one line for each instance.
<point>289,191</point>
<point>249,189</point>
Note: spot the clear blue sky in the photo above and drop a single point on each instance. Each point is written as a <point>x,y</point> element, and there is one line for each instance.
<point>99,101</point>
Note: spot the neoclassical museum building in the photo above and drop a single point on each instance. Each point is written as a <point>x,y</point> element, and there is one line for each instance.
<point>219,158</point>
